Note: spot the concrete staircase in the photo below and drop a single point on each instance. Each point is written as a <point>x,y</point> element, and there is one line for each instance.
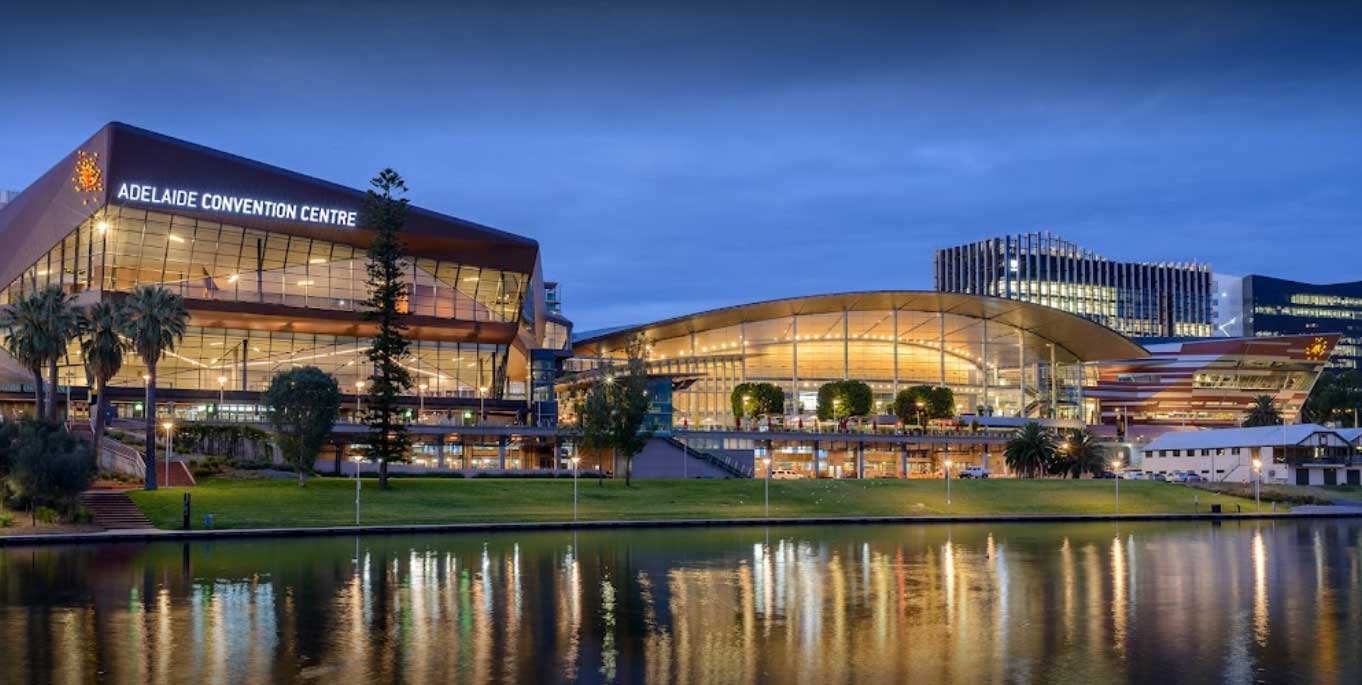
<point>112,510</point>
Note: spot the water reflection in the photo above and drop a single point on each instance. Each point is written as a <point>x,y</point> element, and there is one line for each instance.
<point>1239,601</point>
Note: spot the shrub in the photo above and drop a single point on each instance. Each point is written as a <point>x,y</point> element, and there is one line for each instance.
<point>48,466</point>
<point>303,406</point>
<point>6,520</point>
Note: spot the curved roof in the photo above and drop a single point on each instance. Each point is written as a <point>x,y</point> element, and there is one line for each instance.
<point>1082,339</point>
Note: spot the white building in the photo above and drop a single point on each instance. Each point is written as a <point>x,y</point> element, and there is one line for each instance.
<point>1301,454</point>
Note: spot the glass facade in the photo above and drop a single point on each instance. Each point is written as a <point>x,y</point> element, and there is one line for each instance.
<point>119,248</point>
<point>992,367</point>
<point>1136,299</point>
<point>1277,307</point>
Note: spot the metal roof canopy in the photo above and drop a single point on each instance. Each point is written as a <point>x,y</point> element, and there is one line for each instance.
<point>1079,339</point>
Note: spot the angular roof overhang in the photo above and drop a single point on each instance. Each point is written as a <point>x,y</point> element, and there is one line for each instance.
<point>1080,338</point>
<point>118,154</point>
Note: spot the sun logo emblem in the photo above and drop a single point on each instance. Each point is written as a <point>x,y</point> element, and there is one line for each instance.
<point>1317,348</point>
<point>88,178</point>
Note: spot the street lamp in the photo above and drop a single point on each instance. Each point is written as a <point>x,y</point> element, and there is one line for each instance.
<point>222,388</point>
<point>920,406</point>
<point>746,408</point>
<point>575,461</point>
<point>482,404</point>
<point>169,450</point>
<point>359,398</point>
<point>421,401</point>
<point>947,474</point>
<point>356,460</point>
<point>1257,482</point>
<point>766,463</point>
<point>1116,469</point>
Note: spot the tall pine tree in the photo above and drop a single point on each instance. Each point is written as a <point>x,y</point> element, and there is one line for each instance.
<point>385,215</point>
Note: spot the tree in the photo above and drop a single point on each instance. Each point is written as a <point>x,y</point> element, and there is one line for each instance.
<point>154,322</point>
<point>63,322</point>
<point>303,405</point>
<point>385,215</point>
<point>1080,453</point>
<point>26,341</point>
<point>842,399</point>
<point>102,351</point>
<point>1030,450</point>
<point>924,402</point>
<point>1337,396</point>
<point>1262,413</point>
<point>48,466</point>
<point>757,399</point>
<point>612,411</point>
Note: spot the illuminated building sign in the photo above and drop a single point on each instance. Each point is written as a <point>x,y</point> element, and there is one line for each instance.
<point>234,204</point>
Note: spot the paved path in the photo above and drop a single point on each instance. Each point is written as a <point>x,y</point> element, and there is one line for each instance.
<point>1319,512</point>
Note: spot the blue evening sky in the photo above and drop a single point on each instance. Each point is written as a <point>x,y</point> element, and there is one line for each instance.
<point>677,157</point>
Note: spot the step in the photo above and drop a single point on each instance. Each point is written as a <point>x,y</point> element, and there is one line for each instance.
<point>113,510</point>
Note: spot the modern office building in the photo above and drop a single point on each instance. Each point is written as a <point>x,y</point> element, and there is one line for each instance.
<point>1001,357</point>
<point>1276,307</point>
<point>1209,382</point>
<point>1138,299</point>
<point>271,265</point>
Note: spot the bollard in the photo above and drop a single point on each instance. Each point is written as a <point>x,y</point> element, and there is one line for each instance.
<point>184,518</point>
<point>208,521</point>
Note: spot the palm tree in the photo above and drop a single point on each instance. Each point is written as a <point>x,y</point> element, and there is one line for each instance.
<point>102,351</point>
<point>154,321</point>
<point>25,340</point>
<point>1263,413</point>
<point>1030,450</point>
<point>1082,453</point>
<point>63,322</point>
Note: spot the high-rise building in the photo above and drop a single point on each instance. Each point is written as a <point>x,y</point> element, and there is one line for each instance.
<point>1273,307</point>
<point>1139,299</point>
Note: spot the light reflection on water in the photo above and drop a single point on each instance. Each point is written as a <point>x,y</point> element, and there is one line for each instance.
<point>977,603</point>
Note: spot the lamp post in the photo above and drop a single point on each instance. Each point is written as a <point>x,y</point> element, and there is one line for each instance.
<point>169,450</point>
<point>482,404</point>
<point>222,390</point>
<point>920,406</point>
<point>575,461</point>
<point>1257,483</point>
<point>1116,470</point>
<point>421,401</point>
<point>746,408</point>
<point>766,464</point>
<point>947,474</point>
<point>359,398</point>
<point>356,461</point>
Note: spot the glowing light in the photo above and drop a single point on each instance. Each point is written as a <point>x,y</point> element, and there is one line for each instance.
<point>102,226</point>
<point>175,238</point>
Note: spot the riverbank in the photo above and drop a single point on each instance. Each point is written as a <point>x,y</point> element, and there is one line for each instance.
<point>325,502</point>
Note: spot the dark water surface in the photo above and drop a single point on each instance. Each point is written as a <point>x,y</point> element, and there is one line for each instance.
<point>1083,603</point>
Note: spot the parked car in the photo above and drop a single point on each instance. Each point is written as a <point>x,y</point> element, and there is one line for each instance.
<point>1158,477</point>
<point>785,474</point>
<point>1134,475</point>
<point>1189,477</point>
<point>1106,475</point>
<point>974,472</point>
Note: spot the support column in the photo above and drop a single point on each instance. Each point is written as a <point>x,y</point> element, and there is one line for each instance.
<point>895,342</point>
<point>941,345</point>
<point>440,451</point>
<point>501,452</point>
<point>1021,373</point>
<point>903,460</point>
<point>987,405</point>
<point>554,445</point>
<point>815,459</point>
<point>860,460</point>
<point>794,360</point>
<point>1054,384</point>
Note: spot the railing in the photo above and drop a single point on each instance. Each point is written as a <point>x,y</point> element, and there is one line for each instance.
<point>119,458</point>
<point>720,461</point>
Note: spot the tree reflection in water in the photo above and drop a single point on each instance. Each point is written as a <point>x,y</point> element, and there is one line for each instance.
<point>931,603</point>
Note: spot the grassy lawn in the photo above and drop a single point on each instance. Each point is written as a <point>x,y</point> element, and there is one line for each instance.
<point>331,502</point>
